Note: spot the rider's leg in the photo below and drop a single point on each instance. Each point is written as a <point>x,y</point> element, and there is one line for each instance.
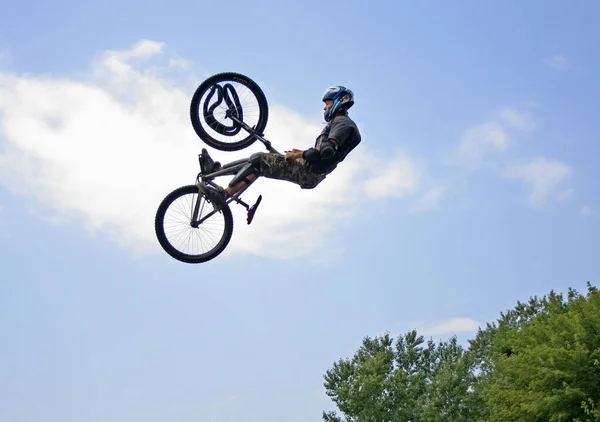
<point>295,171</point>
<point>231,190</point>
<point>246,175</point>
<point>276,168</point>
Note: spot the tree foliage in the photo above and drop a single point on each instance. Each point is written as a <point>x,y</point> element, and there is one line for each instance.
<point>405,380</point>
<point>538,362</point>
<point>547,367</point>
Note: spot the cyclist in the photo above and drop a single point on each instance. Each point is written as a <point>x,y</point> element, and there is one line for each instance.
<point>306,168</point>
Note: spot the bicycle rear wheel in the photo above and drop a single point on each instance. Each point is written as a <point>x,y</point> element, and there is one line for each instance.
<point>234,94</point>
<point>177,236</point>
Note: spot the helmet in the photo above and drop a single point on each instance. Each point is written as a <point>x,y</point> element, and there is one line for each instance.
<point>341,96</point>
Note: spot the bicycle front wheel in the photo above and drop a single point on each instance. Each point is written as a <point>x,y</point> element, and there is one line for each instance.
<point>222,96</point>
<point>177,234</point>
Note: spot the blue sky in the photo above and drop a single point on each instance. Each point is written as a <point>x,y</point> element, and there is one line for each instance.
<point>474,187</point>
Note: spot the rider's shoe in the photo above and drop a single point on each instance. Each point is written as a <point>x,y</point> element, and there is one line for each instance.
<point>218,197</point>
<point>208,165</point>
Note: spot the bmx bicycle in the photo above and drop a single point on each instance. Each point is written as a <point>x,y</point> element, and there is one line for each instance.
<point>229,112</point>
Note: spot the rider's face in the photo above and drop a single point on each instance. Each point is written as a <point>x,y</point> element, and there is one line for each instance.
<point>328,104</point>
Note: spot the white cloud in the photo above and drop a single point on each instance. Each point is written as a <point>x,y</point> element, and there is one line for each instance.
<point>451,326</point>
<point>394,176</point>
<point>430,199</point>
<point>143,49</point>
<point>564,194</point>
<point>518,119</point>
<point>179,62</point>
<point>559,62</point>
<point>481,140</point>
<point>108,149</point>
<point>290,220</point>
<point>587,210</point>
<point>543,177</point>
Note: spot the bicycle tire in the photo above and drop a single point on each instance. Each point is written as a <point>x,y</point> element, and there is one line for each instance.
<point>175,251</point>
<point>199,112</point>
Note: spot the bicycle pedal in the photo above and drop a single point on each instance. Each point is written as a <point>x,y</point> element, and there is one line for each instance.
<point>252,209</point>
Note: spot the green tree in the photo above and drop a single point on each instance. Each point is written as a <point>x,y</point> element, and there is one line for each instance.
<point>541,362</point>
<point>405,380</point>
<point>538,362</point>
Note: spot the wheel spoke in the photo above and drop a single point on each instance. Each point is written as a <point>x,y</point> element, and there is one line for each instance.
<point>185,242</point>
<point>216,95</point>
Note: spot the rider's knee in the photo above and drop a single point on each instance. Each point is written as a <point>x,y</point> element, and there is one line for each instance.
<point>257,160</point>
<point>256,157</point>
<point>310,184</point>
<point>252,168</point>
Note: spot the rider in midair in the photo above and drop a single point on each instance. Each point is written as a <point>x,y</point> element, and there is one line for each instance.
<point>306,168</point>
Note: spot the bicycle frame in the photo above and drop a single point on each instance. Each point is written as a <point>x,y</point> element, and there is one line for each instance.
<point>252,131</point>
<point>229,169</point>
<point>186,243</point>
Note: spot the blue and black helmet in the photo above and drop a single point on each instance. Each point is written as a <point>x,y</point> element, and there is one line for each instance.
<point>341,96</point>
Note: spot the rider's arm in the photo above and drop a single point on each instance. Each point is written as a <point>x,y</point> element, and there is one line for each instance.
<point>324,151</point>
<point>338,132</point>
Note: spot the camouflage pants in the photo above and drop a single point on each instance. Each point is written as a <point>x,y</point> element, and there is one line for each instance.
<point>295,171</point>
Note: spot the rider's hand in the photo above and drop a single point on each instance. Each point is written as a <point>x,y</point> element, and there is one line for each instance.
<point>293,154</point>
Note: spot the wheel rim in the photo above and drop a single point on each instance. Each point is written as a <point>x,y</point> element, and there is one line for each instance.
<point>190,241</point>
<point>218,98</point>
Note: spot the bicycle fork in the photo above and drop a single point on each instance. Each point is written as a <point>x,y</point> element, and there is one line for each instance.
<point>251,130</point>
<point>195,222</point>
